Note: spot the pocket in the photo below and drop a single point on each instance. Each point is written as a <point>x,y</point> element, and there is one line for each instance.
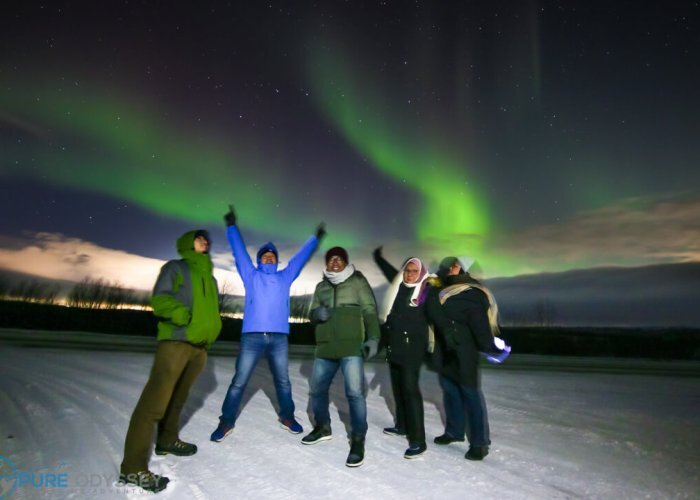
<point>349,323</point>
<point>323,333</point>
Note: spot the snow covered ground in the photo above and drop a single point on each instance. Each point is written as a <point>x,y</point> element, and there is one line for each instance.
<point>555,434</point>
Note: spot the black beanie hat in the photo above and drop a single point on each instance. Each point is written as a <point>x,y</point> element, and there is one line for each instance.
<point>268,247</point>
<point>337,252</point>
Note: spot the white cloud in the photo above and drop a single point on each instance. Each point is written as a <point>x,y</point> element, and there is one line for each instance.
<point>629,233</point>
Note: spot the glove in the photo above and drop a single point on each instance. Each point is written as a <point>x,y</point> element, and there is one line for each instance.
<point>321,314</point>
<point>377,253</point>
<point>181,316</point>
<point>369,349</point>
<point>230,217</point>
<point>321,230</point>
<point>499,352</point>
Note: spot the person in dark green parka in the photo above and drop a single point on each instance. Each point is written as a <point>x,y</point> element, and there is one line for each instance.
<point>186,302</point>
<point>347,333</point>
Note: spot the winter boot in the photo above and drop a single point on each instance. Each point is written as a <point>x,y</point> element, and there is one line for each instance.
<point>415,450</point>
<point>145,480</point>
<point>477,452</point>
<point>177,447</point>
<point>320,433</point>
<point>447,439</point>
<point>356,457</point>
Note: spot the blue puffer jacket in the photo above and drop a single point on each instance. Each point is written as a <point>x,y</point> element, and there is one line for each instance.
<point>266,288</point>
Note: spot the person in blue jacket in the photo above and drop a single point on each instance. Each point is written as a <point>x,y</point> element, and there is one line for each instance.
<point>265,328</point>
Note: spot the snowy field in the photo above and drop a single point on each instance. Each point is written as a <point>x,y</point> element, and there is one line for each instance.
<point>555,434</point>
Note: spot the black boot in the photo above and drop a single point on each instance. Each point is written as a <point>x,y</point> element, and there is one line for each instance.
<point>447,439</point>
<point>415,450</point>
<point>320,433</point>
<point>477,452</point>
<point>356,457</point>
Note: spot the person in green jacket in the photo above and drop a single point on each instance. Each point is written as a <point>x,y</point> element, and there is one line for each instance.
<point>186,302</point>
<point>347,332</point>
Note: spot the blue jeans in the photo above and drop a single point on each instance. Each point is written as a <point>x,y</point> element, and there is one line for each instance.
<point>322,375</point>
<point>254,345</point>
<point>456,398</point>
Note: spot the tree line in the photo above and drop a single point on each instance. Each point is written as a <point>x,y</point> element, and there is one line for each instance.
<point>99,293</point>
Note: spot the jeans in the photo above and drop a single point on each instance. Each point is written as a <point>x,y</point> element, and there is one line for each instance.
<point>275,346</point>
<point>456,398</point>
<point>322,375</point>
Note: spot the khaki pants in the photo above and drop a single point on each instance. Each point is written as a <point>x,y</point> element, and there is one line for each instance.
<point>175,368</point>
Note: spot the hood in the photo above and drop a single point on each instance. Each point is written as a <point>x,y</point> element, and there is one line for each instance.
<point>185,243</point>
<point>185,247</point>
<point>268,247</point>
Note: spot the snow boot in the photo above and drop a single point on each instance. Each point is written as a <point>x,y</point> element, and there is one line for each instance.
<point>177,447</point>
<point>447,439</point>
<point>356,457</point>
<point>477,452</point>
<point>320,433</point>
<point>146,480</point>
<point>415,450</point>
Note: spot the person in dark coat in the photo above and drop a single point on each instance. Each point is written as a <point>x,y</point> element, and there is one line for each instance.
<point>407,334</point>
<point>465,317</point>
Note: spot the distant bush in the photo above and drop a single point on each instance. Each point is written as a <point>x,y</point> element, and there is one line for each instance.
<point>33,291</point>
<point>100,294</point>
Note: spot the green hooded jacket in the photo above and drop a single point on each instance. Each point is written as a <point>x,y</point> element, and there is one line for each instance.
<point>186,297</point>
<point>353,317</point>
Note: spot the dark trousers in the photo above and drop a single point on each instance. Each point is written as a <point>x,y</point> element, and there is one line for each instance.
<point>409,402</point>
<point>175,368</point>
<point>456,398</point>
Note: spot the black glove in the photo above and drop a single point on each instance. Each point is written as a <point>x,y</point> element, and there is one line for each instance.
<point>321,230</point>
<point>230,217</point>
<point>377,253</point>
<point>370,348</point>
<point>321,314</point>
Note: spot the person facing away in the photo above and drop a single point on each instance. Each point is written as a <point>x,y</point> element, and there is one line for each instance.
<point>186,302</point>
<point>265,330</point>
<point>407,335</point>
<point>465,317</point>
<point>344,312</point>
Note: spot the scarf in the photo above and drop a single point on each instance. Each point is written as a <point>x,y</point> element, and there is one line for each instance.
<point>419,288</point>
<point>492,311</point>
<point>338,278</point>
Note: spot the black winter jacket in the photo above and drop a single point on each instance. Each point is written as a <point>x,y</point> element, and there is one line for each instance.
<point>406,329</point>
<point>461,331</point>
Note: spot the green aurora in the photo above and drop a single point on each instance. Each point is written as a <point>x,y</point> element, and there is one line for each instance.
<point>114,146</point>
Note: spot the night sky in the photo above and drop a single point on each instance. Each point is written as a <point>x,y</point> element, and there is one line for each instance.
<point>534,136</point>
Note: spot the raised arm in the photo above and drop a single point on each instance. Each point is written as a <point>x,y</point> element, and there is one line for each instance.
<point>243,262</point>
<point>387,269</point>
<point>297,263</point>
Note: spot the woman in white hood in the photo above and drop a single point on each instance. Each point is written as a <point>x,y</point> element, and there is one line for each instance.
<point>407,336</point>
